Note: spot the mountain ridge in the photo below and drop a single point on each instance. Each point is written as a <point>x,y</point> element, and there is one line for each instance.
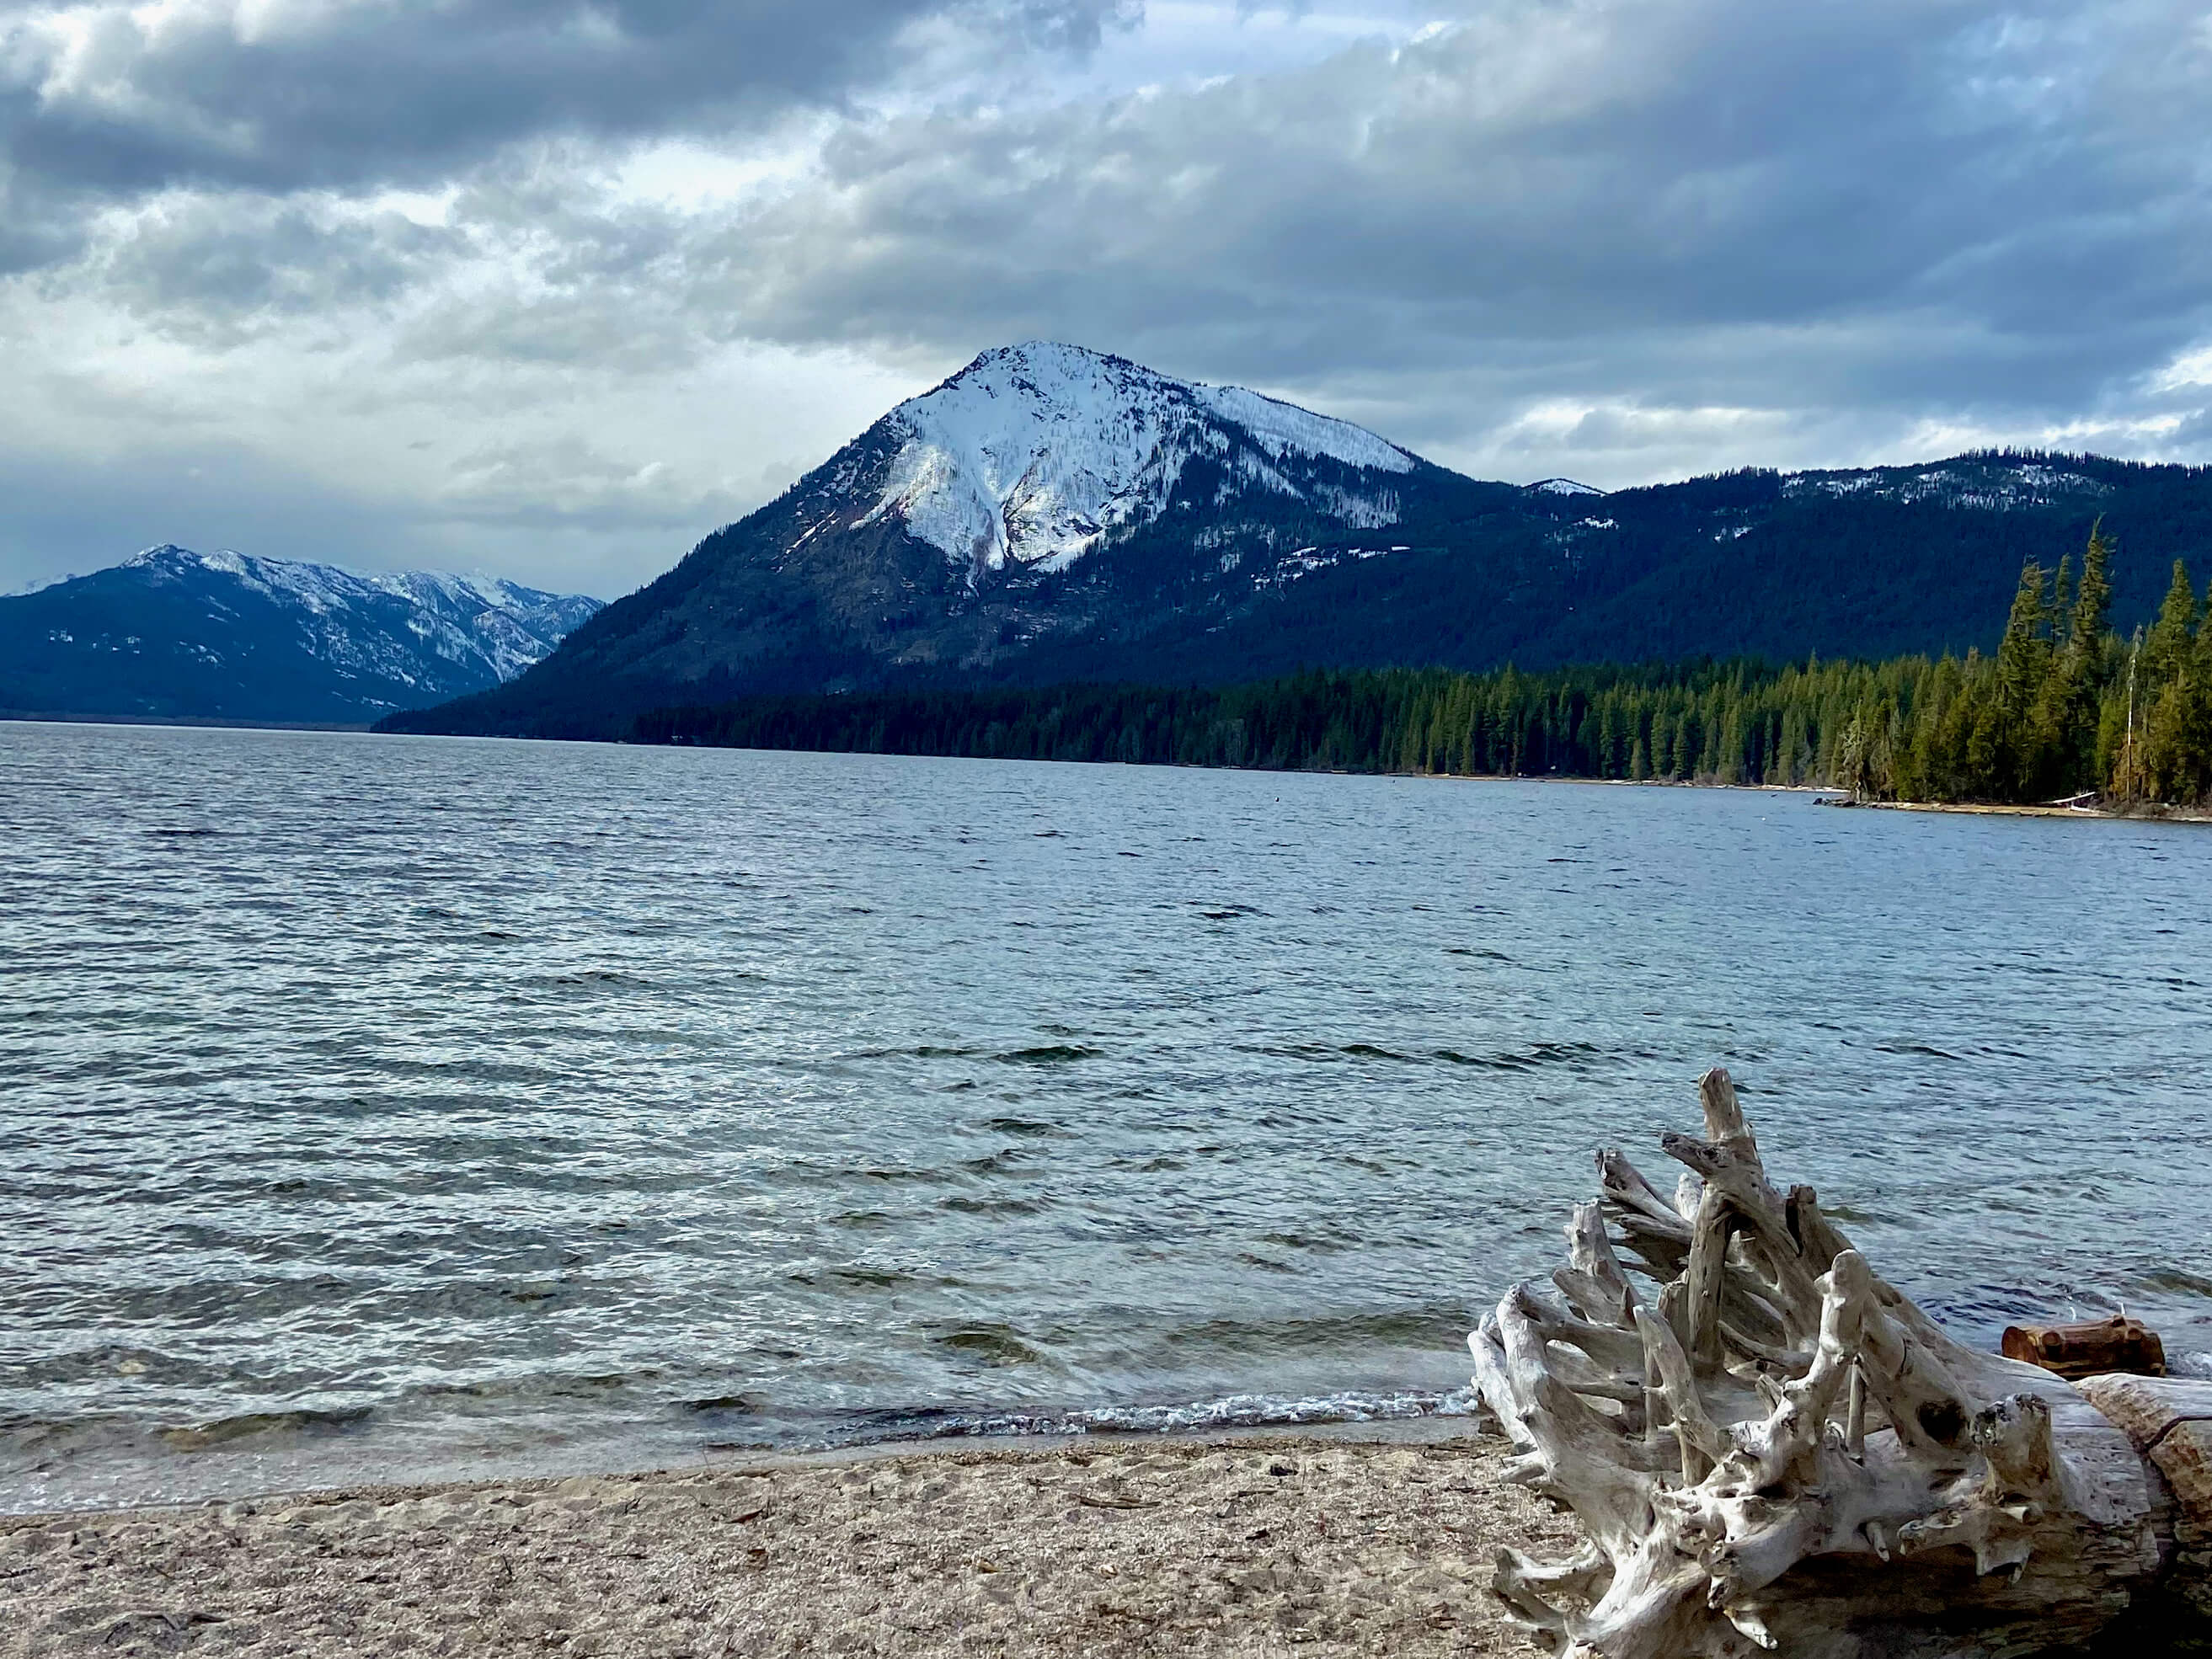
<point>1053,514</point>
<point>171,634</point>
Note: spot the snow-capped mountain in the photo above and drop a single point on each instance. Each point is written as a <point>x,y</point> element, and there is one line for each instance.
<point>1033,455</point>
<point>173,633</point>
<point>1044,497</point>
<point>1053,514</point>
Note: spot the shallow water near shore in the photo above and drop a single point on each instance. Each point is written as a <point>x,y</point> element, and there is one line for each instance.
<point>390,1109</point>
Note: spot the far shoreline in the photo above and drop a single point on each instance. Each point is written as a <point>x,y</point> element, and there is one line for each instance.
<point>2148,812</point>
<point>1824,794</point>
<point>199,722</point>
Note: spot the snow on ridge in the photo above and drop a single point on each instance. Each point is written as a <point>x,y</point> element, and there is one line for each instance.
<point>318,583</point>
<point>1997,485</point>
<point>1033,453</point>
<point>348,616</point>
<point>1282,427</point>
<point>1563,486</point>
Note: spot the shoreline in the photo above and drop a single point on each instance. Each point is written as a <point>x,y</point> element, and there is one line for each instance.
<point>465,1471</point>
<point>2145,814</point>
<point>194,722</point>
<point>1823,794</point>
<point>1243,1545</point>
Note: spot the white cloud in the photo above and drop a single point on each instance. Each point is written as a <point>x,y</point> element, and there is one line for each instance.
<point>2189,370</point>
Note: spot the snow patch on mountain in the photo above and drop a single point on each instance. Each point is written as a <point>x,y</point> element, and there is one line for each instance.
<point>1987,484</point>
<point>1359,512</point>
<point>1034,453</point>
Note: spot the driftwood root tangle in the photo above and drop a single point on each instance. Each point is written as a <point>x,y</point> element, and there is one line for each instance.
<point>1771,1448</point>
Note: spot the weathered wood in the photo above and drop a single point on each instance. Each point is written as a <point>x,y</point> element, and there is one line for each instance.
<point>2088,1348</point>
<point>2169,1421</point>
<point>1778,1451</point>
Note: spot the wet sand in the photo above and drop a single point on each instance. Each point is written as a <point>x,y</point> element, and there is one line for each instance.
<point>1247,1547</point>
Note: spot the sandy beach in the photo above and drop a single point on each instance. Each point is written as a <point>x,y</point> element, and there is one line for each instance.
<point>1253,1546</point>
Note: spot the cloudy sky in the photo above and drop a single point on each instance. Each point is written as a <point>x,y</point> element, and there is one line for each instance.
<point>551,289</point>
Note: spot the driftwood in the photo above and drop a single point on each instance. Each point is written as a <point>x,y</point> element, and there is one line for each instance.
<point>2169,1420</point>
<point>1770,1448</point>
<point>2092,1347</point>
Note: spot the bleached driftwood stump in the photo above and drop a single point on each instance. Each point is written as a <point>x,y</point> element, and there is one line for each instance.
<point>1776,1450</point>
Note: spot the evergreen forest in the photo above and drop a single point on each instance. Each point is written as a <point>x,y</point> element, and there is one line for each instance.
<point>2065,708</point>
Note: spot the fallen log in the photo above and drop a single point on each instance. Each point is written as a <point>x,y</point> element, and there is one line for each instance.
<point>1770,1448</point>
<point>2168,1419</point>
<point>2087,1348</point>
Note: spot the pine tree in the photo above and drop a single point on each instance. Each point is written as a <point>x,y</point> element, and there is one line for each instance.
<point>2063,752</point>
<point>2166,648</point>
<point>2176,696</point>
<point>2194,774</point>
<point>2007,747</point>
<point>2092,601</point>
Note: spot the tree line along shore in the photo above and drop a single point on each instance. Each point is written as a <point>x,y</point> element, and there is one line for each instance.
<point>2065,708</point>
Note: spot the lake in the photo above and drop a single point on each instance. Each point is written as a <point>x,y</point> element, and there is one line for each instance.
<point>384,1107</point>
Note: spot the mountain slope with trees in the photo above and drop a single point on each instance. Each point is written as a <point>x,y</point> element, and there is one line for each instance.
<point>1049,516</point>
<point>2064,707</point>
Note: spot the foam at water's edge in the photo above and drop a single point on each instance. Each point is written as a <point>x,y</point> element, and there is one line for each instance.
<point>1240,1411</point>
<point>304,1451</point>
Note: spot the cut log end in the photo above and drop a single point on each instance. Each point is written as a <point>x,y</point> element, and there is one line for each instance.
<point>2088,1348</point>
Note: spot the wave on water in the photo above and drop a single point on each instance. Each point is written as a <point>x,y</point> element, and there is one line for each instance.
<point>199,1436</point>
<point>1575,1056</point>
<point>1237,1411</point>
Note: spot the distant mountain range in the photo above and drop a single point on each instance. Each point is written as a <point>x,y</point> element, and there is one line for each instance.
<point>1050,513</point>
<point>171,634</point>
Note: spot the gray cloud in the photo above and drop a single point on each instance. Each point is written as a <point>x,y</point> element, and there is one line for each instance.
<point>555,513</point>
<point>216,270</point>
<point>99,102</point>
<point>1904,202</point>
<point>67,516</point>
<point>1622,240</point>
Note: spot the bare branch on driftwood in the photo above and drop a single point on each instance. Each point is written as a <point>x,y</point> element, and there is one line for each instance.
<point>1770,1447</point>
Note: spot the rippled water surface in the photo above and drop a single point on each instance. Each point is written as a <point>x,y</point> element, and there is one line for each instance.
<point>383,1107</point>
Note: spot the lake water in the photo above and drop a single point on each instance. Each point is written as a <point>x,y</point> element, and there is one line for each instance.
<point>389,1107</point>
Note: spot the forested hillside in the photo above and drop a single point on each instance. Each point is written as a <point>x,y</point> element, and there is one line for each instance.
<point>2063,706</point>
<point>1868,564</point>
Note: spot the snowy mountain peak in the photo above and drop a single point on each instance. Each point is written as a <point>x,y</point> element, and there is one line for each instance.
<point>1033,454</point>
<point>1563,487</point>
<point>168,553</point>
